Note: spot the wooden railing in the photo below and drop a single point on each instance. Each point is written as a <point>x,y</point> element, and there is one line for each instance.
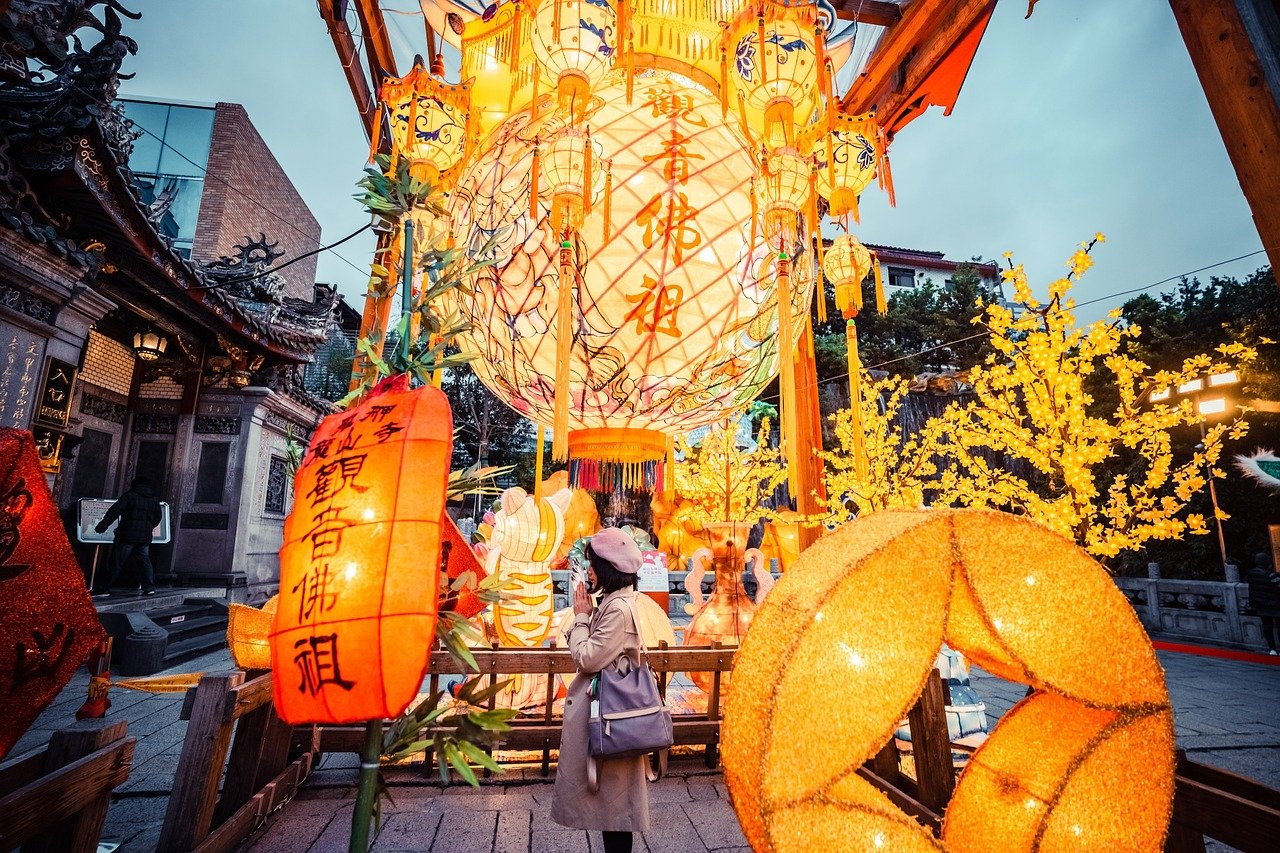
<point>56,799</point>
<point>231,712</point>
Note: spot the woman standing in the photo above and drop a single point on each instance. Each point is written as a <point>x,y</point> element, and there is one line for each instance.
<point>603,636</point>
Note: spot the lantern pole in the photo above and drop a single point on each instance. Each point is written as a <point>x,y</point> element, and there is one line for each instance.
<point>362,814</point>
<point>406,285</point>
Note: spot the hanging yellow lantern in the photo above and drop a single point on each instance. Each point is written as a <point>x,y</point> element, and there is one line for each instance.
<point>673,316</point>
<point>784,188</point>
<point>772,52</point>
<point>570,174</point>
<point>428,121</point>
<point>574,42</point>
<point>846,265</point>
<point>847,156</point>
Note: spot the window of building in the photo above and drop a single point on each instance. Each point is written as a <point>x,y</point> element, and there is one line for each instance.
<point>168,164</point>
<point>901,277</point>
<point>211,473</point>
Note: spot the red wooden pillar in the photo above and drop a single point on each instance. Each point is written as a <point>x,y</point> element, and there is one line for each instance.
<point>809,423</point>
<point>1235,48</point>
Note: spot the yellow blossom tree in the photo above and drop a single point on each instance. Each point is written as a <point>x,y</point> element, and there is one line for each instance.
<point>872,468</point>
<point>1107,479</point>
<point>720,481</point>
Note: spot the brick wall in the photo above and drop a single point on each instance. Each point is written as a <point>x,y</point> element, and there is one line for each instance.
<point>243,178</point>
<point>108,364</point>
<point>161,388</point>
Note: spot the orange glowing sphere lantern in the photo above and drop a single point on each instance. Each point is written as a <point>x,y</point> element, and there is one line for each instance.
<point>359,569</point>
<point>837,654</point>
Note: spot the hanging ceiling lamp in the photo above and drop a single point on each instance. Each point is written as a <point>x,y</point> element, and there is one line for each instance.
<point>573,41</point>
<point>149,345</point>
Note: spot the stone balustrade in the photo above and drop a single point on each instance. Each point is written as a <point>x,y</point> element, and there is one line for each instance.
<point>1195,611</point>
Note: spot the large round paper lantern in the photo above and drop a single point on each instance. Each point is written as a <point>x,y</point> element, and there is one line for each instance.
<point>359,569</point>
<point>674,321</point>
<point>841,648</point>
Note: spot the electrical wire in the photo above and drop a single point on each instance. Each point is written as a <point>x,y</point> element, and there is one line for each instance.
<point>1093,301</point>
<point>293,260</point>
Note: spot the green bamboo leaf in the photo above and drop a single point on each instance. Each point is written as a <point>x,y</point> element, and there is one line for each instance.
<point>460,764</point>
<point>479,756</point>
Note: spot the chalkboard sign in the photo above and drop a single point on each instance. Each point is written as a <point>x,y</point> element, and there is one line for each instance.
<point>92,510</point>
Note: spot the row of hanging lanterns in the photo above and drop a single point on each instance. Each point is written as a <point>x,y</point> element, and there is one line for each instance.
<point>561,96</point>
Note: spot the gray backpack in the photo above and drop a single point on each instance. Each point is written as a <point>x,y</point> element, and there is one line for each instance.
<point>629,716</point>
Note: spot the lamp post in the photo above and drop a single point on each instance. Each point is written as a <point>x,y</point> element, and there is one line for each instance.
<point>1208,393</point>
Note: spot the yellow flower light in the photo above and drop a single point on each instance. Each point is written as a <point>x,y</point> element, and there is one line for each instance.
<point>574,43</point>
<point>838,652</point>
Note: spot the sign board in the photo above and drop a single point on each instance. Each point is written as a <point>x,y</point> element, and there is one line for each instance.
<point>90,511</point>
<point>653,572</point>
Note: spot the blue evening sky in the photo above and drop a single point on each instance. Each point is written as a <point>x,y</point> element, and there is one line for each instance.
<point>1087,117</point>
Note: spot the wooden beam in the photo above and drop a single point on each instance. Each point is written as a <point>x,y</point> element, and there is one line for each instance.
<point>876,13</point>
<point>910,50</point>
<point>344,43</point>
<point>1232,58</point>
<point>377,44</point>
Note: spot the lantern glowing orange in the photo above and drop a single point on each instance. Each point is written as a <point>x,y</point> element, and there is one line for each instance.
<point>359,567</point>
<point>772,48</point>
<point>838,652</point>
<point>249,633</point>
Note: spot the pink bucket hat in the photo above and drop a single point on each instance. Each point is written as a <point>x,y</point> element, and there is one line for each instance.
<point>614,545</point>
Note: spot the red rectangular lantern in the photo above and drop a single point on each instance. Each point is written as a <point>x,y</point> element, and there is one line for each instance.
<point>359,568</point>
<point>49,624</point>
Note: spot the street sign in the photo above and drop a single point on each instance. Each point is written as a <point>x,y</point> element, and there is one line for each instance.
<point>90,511</point>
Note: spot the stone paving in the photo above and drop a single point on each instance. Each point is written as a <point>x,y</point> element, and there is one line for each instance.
<point>1226,715</point>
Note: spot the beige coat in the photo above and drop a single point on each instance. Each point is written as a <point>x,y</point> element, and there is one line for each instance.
<point>622,803</point>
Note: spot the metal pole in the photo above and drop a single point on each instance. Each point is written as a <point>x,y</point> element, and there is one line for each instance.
<point>1213,499</point>
<point>406,287</point>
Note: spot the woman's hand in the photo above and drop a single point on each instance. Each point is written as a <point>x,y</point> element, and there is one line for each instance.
<point>581,601</point>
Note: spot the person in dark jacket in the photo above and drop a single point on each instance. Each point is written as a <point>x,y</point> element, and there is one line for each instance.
<point>139,512</point>
<point>1264,596</point>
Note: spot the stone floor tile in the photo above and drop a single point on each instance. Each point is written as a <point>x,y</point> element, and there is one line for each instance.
<point>553,841</point>
<point>463,830</point>
<point>513,831</point>
<point>716,824</point>
<point>671,829</point>
<point>408,831</point>
<point>703,790</point>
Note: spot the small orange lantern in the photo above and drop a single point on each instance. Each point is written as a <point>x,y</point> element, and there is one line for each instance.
<point>359,567</point>
<point>249,633</point>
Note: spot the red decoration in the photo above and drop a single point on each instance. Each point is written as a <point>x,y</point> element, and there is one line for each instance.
<point>49,625</point>
<point>457,559</point>
<point>359,568</point>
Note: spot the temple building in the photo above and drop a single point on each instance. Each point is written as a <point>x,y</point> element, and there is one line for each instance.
<point>143,332</point>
